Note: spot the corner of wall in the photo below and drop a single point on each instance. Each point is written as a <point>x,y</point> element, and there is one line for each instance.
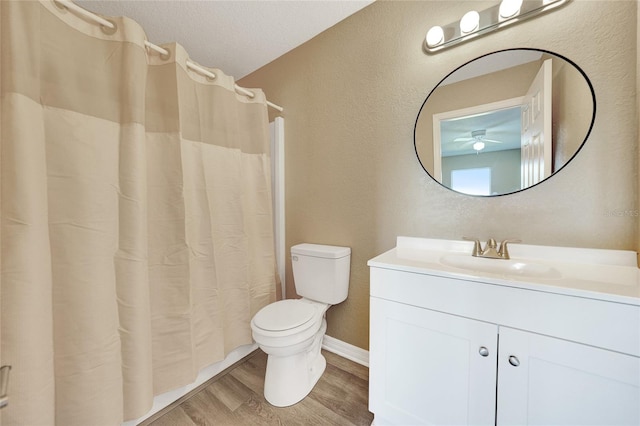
<point>637,125</point>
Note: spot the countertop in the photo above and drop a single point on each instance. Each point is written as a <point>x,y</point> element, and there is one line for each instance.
<point>610,275</point>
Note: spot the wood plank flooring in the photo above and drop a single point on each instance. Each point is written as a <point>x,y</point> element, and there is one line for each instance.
<point>235,398</point>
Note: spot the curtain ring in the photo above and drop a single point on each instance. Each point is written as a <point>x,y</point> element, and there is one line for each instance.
<point>59,5</point>
<point>107,30</point>
<point>165,56</point>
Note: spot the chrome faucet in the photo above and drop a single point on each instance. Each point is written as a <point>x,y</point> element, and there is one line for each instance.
<point>491,249</point>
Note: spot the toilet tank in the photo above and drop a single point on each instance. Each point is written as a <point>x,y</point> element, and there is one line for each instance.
<point>321,272</point>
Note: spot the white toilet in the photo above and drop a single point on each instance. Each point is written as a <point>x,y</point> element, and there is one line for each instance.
<point>290,331</point>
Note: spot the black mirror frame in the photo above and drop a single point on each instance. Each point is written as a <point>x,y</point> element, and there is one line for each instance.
<point>593,119</point>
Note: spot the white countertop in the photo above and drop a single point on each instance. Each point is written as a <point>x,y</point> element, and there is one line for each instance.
<point>611,275</point>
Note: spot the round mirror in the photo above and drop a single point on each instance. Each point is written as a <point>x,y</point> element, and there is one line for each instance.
<point>504,122</point>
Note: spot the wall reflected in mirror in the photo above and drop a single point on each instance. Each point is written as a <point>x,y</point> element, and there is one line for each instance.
<point>504,122</point>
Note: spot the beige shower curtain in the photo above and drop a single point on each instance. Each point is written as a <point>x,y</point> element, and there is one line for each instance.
<point>136,223</point>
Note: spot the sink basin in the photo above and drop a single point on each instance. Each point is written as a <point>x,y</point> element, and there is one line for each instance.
<point>500,266</point>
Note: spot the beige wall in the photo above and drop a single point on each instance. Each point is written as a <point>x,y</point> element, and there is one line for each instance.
<point>352,95</point>
<point>572,112</point>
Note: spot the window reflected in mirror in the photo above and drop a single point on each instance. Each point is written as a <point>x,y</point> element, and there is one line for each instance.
<point>475,181</point>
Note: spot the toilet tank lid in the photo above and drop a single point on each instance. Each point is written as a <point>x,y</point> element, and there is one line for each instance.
<point>319,250</point>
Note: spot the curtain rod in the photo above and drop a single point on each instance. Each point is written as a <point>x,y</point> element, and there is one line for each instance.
<point>192,65</point>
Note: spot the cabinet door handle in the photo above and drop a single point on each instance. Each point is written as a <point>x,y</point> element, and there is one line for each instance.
<point>483,351</point>
<point>513,360</point>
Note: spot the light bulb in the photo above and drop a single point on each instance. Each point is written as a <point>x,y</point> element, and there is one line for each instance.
<point>478,146</point>
<point>509,8</point>
<point>435,36</point>
<point>469,22</point>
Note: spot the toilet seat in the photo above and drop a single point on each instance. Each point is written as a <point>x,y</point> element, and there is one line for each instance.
<point>284,315</point>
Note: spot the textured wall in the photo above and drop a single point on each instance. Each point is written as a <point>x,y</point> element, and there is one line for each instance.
<point>352,95</point>
<point>572,103</point>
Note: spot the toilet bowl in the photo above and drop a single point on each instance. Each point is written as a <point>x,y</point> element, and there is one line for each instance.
<point>292,343</point>
<point>290,331</point>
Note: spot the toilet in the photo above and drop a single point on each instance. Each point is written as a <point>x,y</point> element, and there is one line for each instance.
<point>290,331</point>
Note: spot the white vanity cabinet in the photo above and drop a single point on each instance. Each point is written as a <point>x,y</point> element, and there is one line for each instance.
<point>555,381</point>
<point>448,348</point>
<point>427,367</point>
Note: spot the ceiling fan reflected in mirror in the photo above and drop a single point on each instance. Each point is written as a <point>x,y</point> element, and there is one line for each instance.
<point>477,140</point>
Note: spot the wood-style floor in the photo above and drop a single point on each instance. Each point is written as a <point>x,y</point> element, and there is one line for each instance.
<point>235,398</point>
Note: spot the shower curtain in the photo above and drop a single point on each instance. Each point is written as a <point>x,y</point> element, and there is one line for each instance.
<point>136,225</point>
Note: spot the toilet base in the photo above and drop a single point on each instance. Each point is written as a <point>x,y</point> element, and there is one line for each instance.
<point>289,379</point>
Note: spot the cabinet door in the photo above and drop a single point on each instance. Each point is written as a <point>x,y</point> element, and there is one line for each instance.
<point>556,382</point>
<point>428,368</point>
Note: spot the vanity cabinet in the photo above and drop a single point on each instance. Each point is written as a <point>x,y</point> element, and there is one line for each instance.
<point>555,381</point>
<point>427,367</point>
<point>448,350</point>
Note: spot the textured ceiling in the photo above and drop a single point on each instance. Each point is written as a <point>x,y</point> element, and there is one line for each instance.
<point>237,37</point>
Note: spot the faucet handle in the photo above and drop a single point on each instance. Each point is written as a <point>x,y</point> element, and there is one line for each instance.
<point>504,250</point>
<point>477,250</point>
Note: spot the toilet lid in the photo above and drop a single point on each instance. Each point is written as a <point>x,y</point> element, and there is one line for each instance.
<point>284,315</point>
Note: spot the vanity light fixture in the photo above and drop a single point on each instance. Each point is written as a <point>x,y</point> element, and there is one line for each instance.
<point>475,23</point>
<point>435,36</point>
<point>509,8</point>
<point>469,22</point>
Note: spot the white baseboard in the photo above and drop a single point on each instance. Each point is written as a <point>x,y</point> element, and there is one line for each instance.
<point>346,350</point>
<point>164,400</point>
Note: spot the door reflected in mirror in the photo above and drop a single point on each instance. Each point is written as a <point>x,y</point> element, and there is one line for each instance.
<point>504,122</point>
